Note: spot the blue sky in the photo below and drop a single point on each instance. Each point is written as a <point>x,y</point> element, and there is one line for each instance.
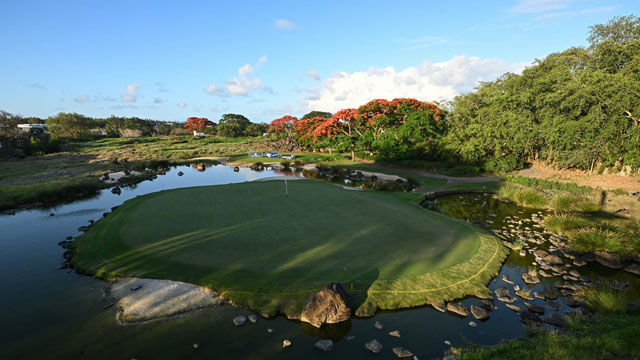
<point>172,60</point>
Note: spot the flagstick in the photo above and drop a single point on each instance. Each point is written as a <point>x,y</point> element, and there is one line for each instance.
<point>286,187</point>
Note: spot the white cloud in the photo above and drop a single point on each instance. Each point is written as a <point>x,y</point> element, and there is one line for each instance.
<point>130,94</point>
<point>429,82</point>
<point>313,74</point>
<point>539,6</point>
<point>245,70</point>
<point>285,24</point>
<point>81,98</point>
<point>182,104</point>
<point>242,84</point>
<point>157,100</point>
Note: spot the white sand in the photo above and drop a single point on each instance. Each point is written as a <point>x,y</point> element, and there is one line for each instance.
<point>158,298</point>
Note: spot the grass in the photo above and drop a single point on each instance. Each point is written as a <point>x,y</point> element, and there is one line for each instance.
<point>269,251</point>
<point>603,336</point>
<point>543,184</point>
<point>573,203</point>
<point>493,186</point>
<point>523,195</point>
<point>605,299</point>
<point>591,239</point>
<point>48,192</point>
<point>564,223</point>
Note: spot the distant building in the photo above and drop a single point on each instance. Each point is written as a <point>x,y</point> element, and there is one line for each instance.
<point>33,128</point>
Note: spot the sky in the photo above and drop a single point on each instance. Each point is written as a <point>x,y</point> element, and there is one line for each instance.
<point>264,59</point>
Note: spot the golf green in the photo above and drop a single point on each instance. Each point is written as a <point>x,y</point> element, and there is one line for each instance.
<point>269,250</point>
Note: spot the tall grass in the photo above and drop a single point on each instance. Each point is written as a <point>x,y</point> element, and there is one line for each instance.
<point>523,196</point>
<point>603,298</point>
<point>573,203</point>
<point>549,185</point>
<point>592,238</point>
<point>563,223</point>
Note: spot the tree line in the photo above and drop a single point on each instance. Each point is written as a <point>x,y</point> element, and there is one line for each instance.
<point>579,108</point>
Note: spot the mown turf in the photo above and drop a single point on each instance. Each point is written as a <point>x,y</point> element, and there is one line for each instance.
<point>269,251</point>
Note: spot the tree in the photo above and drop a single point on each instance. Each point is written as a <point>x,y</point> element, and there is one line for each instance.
<point>312,114</point>
<point>195,124</point>
<point>70,126</point>
<point>283,126</point>
<point>8,129</point>
<point>255,129</point>
<point>232,125</point>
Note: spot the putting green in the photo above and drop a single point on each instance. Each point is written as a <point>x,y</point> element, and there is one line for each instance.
<point>269,250</point>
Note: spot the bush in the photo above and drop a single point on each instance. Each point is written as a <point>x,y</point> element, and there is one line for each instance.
<point>285,164</point>
<point>387,186</point>
<point>503,164</point>
<point>463,170</point>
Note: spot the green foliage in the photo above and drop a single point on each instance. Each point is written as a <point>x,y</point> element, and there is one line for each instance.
<point>602,336</point>
<point>129,126</point>
<point>48,192</point>
<point>255,129</point>
<point>530,198</point>
<point>70,126</point>
<point>572,203</point>
<point>233,125</point>
<point>37,146</point>
<point>573,109</point>
<point>590,239</point>
<point>604,298</point>
<point>548,184</point>
<point>563,223</point>
<point>463,170</point>
<point>312,114</point>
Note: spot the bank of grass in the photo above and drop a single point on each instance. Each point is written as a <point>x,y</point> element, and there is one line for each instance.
<point>493,186</point>
<point>48,192</point>
<point>604,298</point>
<point>269,251</point>
<point>601,336</point>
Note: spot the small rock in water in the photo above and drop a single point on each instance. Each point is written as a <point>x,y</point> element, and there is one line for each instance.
<point>269,330</point>
<point>472,324</point>
<point>447,342</point>
<point>523,252</point>
<point>286,343</point>
<point>439,306</point>
<point>136,287</point>
<point>633,268</point>
<point>402,352</point>
<point>458,309</point>
<point>324,345</point>
<point>196,345</point>
<point>479,313</point>
<point>350,337</point>
<point>515,308</point>
<point>52,214</point>
<point>553,305</point>
<point>506,279</point>
<point>378,325</point>
<point>252,318</point>
<point>395,333</point>
<point>239,320</point>
<point>374,346</point>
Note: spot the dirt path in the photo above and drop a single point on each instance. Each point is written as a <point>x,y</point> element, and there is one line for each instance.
<point>607,182</point>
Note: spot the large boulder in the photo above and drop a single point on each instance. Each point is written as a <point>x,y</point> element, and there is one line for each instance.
<point>330,305</point>
<point>611,260</point>
<point>479,312</point>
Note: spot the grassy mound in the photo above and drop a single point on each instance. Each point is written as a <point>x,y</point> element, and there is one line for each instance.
<point>269,251</point>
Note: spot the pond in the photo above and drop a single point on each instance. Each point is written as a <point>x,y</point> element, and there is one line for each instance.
<point>53,313</point>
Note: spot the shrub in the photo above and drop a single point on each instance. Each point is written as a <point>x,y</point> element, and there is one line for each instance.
<point>503,164</point>
<point>463,170</point>
<point>387,186</point>
<point>285,164</point>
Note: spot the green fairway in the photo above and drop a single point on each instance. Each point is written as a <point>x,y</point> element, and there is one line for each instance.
<point>269,251</point>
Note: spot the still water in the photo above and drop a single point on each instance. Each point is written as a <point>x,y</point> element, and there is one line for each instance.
<point>49,313</point>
